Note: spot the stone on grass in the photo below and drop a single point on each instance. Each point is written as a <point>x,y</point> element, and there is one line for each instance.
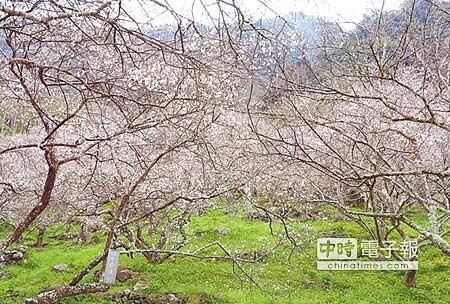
<point>5,275</point>
<point>140,285</point>
<point>12,257</point>
<point>124,274</point>
<point>223,230</point>
<point>60,267</point>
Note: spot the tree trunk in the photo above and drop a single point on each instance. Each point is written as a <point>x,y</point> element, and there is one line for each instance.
<point>112,227</point>
<point>82,236</point>
<point>410,279</point>
<point>40,207</point>
<point>40,237</point>
<point>123,203</point>
<point>53,296</point>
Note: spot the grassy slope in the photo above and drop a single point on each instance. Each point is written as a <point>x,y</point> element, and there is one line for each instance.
<point>283,280</point>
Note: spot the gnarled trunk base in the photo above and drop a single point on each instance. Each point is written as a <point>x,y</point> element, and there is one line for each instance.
<point>410,279</point>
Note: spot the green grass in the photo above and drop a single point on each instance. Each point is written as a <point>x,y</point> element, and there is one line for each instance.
<point>285,276</point>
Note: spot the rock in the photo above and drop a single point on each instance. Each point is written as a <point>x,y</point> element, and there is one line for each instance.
<point>124,274</point>
<point>172,298</point>
<point>199,233</point>
<point>60,267</point>
<point>12,257</point>
<point>5,275</point>
<point>17,256</point>
<point>140,285</point>
<point>223,230</point>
